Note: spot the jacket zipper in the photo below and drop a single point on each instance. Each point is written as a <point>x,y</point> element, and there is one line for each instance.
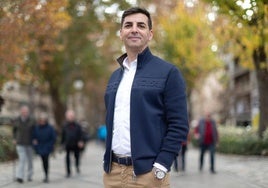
<point>110,163</point>
<point>134,176</point>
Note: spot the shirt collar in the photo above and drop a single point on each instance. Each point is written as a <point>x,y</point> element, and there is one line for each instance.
<point>129,65</point>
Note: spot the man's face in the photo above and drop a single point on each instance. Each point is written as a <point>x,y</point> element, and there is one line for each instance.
<point>42,121</point>
<point>24,112</point>
<point>70,116</point>
<point>135,32</point>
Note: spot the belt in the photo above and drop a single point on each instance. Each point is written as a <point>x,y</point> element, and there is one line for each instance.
<point>122,160</point>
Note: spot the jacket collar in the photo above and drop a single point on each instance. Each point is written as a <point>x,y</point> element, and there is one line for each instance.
<point>140,59</point>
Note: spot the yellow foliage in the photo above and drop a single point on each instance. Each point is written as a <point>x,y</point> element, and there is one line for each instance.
<point>30,26</point>
<point>187,41</point>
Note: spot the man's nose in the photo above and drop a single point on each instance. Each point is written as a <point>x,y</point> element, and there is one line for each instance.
<point>134,28</point>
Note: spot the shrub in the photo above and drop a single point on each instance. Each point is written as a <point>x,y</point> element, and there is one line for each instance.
<point>7,148</point>
<point>241,140</point>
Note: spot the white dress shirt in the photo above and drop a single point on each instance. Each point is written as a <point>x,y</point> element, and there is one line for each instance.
<point>121,131</point>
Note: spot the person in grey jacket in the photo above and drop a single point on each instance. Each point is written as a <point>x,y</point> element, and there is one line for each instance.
<point>22,134</point>
<point>146,111</point>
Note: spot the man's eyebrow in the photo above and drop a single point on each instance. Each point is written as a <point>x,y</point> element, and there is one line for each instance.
<point>128,23</point>
<point>132,22</point>
<point>142,23</point>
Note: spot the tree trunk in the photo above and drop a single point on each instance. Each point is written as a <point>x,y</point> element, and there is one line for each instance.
<point>58,107</point>
<point>2,102</point>
<point>263,100</point>
<point>261,66</point>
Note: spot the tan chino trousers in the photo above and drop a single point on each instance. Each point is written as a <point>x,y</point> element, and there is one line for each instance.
<point>122,176</point>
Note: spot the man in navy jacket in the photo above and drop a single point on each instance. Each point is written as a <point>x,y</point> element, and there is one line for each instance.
<point>146,111</point>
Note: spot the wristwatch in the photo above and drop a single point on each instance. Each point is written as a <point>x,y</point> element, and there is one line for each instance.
<point>159,174</point>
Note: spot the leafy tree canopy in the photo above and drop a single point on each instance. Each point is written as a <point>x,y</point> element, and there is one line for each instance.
<point>187,40</point>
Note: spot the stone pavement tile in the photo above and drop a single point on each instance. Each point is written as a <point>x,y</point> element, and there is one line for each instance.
<point>232,172</point>
<point>90,176</point>
<point>252,169</point>
<point>205,180</point>
<point>7,171</point>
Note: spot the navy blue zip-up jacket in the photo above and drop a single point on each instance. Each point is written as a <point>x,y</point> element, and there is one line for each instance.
<point>46,138</point>
<point>158,113</point>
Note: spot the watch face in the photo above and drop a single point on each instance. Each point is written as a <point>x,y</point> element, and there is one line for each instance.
<point>160,174</point>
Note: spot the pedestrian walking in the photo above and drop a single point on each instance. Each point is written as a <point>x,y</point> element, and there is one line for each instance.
<point>44,138</point>
<point>72,141</point>
<point>180,160</point>
<point>207,134</point>
<point>22,134</point>
<point>146,109</point>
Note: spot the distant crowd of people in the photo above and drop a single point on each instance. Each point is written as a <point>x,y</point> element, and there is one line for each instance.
<point>39,136</point>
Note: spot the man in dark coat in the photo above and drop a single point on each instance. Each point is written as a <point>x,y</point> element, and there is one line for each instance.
<point>72,140</point>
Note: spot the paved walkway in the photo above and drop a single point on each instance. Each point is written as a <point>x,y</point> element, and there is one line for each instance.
<point>232,171</point>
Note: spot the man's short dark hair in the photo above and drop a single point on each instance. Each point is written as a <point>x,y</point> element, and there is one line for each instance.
<point>136,10</point>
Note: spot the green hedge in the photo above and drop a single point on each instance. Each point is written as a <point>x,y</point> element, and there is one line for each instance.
<point>241,140</point>
<point>7,148</point>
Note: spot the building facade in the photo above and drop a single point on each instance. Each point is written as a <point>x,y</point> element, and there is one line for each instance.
<point>243,94</point>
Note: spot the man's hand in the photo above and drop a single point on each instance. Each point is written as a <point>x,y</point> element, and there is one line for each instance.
<point>196,136</point>
<point>35,142</point>
<point>80,144</point>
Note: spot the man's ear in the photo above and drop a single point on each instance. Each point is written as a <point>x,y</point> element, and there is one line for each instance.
<point>151,35</point>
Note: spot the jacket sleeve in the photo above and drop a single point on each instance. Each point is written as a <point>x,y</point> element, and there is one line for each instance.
<point>14,129</point>
<point>34,133</point>
<point>34,136</point>
<point>176,117</point>
<point>80,133</point>
<point>52,139</point>
<point>63,136</point>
